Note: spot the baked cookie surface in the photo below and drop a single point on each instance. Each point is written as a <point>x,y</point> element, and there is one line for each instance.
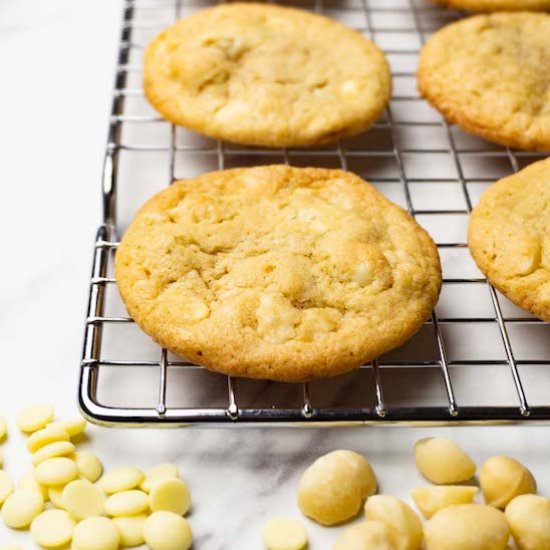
<point>496,5</point>
<point>277,272</point>
<point>266,75</point>
<point>490,75</point>
<point>509,237</point>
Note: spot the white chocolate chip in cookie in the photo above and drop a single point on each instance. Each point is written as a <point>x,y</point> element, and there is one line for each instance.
<point>232,112</point>
<point>349,89</point>
<point>363,274</point>
<point>276,319</point>
<point>317,322</point>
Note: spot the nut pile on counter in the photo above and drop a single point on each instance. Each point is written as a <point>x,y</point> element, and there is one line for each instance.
<point>88,508</point>
<point>333,489</point>
<point>123,507</point>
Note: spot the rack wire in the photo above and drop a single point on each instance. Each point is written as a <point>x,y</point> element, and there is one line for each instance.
<point>478,359</point>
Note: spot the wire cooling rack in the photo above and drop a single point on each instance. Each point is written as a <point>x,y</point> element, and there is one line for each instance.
<point>478,358</point>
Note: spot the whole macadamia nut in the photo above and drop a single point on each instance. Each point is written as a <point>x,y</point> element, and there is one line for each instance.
<point>467,527</point>
<point>503,478</point>
<point>333,488</point>
<point>442,461</point>
<point>529,520</point>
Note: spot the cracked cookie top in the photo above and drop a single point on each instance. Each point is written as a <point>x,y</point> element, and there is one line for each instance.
<point>266,75</point>
<point>490,75</point>
<point>509,237</point>
<point>277,272</point>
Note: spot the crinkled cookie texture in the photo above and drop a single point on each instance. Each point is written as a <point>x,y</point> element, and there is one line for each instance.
<point>509,237</point>
<point>266,75</point>
<point>277,272</point>
<point>496,5</point>
<point>490,75</point>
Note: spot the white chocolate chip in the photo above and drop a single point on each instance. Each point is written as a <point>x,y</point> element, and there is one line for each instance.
<point>96,534</point>
<point>127,503</point>
<point>21,507</point>
<point>284,534</point>
<point>167,531</point>
<point>121,479</point>
<point>83,499</point>
<point>171,495</point>
<point>52,528</point>
<point>34,417</point>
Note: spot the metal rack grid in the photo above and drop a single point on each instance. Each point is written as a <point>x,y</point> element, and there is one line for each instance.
<point>475,342</point>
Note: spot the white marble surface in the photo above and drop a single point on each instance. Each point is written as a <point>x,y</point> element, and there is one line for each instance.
<point>57,62</point>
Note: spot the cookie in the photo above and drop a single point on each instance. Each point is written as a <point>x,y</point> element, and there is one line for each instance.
<point>276,272</point>
<point>261,74</point>
<point>490,75</point>
<point>496,5</point>
<point>509,237</point>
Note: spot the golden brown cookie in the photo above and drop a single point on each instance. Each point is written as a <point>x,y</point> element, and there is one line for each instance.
<point>496,5</point>
<point>277,272</point>
<point>509,237</point>
<point>490,75</point>
<point>267,75</point>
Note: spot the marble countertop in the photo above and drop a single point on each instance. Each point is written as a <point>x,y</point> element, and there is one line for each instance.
<point>57,59</point>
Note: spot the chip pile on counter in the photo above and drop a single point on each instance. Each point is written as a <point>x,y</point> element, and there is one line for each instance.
<point>89,509</point>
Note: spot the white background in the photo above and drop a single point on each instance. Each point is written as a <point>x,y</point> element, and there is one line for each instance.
<point>57,60</point>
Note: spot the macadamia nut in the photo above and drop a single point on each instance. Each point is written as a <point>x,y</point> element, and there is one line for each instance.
<point>529,520</point>
<point>467,527</point>
<point>369,535</point>
<point>431,499</point>
<point>442,461</point>
<point>503,478</point>
<point>333,488</point>
<point>404,526</point>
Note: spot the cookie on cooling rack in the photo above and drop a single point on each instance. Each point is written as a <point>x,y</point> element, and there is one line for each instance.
<point>509,237</point>
<point>496,5</point>
<point>490,75</point>
<point>277,272</point>
<point>266,75</point>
